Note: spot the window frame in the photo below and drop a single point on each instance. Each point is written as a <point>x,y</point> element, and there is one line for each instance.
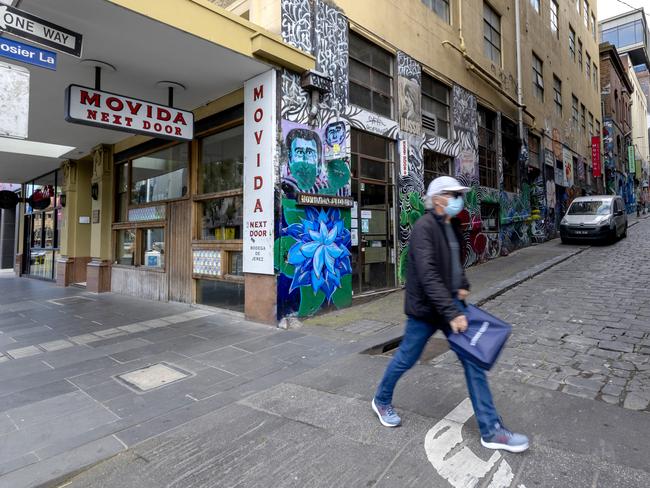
<point>447,104</point>
<point>580,47</point>
<point>431,5</point>
<point>555,17</point>
<point>538,77</point>
<point>372,69</point>
<point>226,247</point>
<point>557,95</point>
<point>428,174</point>
<point>585,13</point>
<point>583,118</point>
<point>572,43</point>
<point>588,66</point>
<point>487,157</point>
<point>536,5</point>
<point>575,103</point>
<point>487,8</point>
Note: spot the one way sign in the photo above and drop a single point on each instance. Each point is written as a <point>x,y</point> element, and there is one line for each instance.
<point>30,27</point>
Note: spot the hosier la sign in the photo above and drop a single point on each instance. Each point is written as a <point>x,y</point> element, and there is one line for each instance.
<point>111,111</point>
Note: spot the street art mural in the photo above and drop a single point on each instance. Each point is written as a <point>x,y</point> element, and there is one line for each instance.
<point>315,161</point>
<point>313,259</point>
<point>410,93</point>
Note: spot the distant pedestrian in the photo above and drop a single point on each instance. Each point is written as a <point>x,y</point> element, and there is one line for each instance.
<point>435,285</point>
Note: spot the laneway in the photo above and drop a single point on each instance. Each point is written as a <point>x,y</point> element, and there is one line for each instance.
<point>583,327</point>
<point>580,331</point>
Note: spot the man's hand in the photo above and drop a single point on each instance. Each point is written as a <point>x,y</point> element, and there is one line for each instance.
<point>459,324</point>
<point>463,294</point>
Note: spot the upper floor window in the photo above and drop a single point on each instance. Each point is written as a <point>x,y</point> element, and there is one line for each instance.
<point>577,2</point>
<point>435,165</point>
<point>574,111</point>
<point>535,4</point>
<point>538,78</point>
<point>557,95</point>
<point>487,148</point>
<point>554,18</point>
<point>371,76</point>
<point>580,54</point>
<point>435,107</point>
<point>492,34</point>
<point>583,118</point>
<point>624,35</point>
<point>594,26</point>
<point>591,124</point>
<point>585,13</point>
<point>572,43</point>
<point>440,7</point>
<point>588,65</point>
<point>595,72</point>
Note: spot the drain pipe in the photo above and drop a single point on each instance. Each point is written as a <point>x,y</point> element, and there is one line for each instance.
<point>520,96</point>
<point>460,27</point>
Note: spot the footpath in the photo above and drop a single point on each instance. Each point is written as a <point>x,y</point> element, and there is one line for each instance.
<point>178,396</point>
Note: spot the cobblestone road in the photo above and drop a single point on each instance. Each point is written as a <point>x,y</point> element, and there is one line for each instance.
<point>583,327</point>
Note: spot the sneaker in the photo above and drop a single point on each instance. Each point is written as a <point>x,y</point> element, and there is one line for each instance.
<point>386,414</point>
<point>502,438</point>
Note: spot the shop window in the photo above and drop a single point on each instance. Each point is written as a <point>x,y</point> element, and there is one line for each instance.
<point>125,247</point>
<point>236,263</point>
<point>217,249</point>
<point>160,176</point>
<point>122,193</point>
<point>153,247</point>
<point>435,165</point>
<point>221,219</point>
<point>222,161</point>
<point>490,217</point>
<point>487,148</point>
<point>371,76</point>
<point>511,148</point>
<point>435,107</point>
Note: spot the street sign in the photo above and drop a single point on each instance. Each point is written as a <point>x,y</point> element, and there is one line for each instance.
<point>27,54</point>
<point>595,156</point>
<point>28,26</point>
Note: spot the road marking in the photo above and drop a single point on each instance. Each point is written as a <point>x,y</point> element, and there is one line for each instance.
<point>456,462</point>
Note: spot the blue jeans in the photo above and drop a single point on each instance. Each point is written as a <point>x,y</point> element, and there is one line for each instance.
<point>416,335</point>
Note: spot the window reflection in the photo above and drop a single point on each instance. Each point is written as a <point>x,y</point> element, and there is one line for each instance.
<point>160,176</point>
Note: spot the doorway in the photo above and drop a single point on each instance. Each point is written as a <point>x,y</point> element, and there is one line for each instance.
<point>373,233</point>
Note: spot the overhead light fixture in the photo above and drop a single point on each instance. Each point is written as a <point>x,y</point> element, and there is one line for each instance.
<point>33,148</point>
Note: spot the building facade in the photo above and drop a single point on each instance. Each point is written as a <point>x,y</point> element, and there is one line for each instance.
<point>639,122</point>
<point>304,173</point>
<point>617,90</point>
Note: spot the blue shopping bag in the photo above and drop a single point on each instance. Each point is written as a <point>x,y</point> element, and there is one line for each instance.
<point>484,338</point>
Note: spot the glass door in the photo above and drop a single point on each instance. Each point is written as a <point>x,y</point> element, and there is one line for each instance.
<point>373,251</point>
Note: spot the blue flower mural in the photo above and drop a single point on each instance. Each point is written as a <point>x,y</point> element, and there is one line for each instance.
<point>320,253</point>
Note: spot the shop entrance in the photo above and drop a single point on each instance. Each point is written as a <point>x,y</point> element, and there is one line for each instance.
<point>373,234</point>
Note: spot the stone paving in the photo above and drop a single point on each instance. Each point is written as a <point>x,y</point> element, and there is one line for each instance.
<point>583,327</point>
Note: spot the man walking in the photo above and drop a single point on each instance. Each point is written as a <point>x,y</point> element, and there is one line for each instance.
<point>436,285</point>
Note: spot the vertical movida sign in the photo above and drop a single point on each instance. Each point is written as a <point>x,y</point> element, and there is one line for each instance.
<point>595,156</point>
<point>259,153</point>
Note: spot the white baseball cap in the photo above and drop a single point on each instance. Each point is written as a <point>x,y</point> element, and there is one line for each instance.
<point>444,184</point>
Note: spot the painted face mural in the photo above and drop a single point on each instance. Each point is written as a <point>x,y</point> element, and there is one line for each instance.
<point>317,160</point>
<point>304,157</point>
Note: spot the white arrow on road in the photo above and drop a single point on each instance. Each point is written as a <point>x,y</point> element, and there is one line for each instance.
<point>460,466</point>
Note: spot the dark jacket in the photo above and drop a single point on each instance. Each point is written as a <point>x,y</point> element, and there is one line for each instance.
<point>428,279</point>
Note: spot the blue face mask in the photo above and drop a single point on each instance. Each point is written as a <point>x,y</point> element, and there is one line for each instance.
<point>454,206</point>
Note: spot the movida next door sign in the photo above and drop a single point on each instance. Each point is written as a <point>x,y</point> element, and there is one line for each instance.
<point>98,108</point>
<point>259,151</point>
